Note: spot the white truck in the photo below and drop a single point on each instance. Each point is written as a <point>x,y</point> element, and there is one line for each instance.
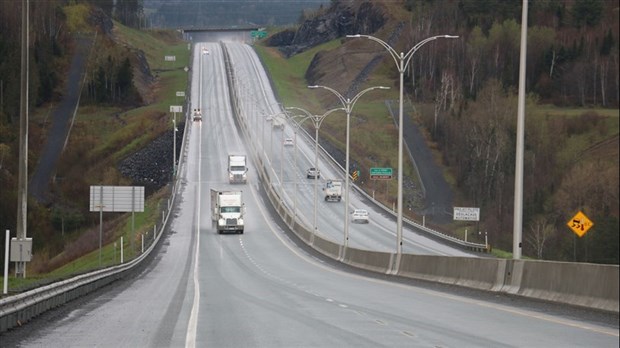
<point>237,169</point>
<point>227,210</point>
<point>277,123</point>
<point>333,190</point>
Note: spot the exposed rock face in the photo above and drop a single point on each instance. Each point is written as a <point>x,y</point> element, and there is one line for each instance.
<point>342,18</point>
<point>151,166</point>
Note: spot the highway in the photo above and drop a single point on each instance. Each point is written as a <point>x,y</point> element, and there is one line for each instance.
<point>260,289</point>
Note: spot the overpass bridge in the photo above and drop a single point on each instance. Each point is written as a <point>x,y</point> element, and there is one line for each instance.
<point>215,34</point>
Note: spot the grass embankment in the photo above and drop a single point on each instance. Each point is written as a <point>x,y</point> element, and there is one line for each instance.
<point>373,138</point>
<point>592,132</point>
<point>101,136</point>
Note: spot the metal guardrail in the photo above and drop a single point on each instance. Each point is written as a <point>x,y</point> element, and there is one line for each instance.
<point>16,310</point>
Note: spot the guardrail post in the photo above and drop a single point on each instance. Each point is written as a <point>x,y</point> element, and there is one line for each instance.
<point>154,231</point>
<point>142,243</point>
<point>122,250</point>
<point>6,263</point>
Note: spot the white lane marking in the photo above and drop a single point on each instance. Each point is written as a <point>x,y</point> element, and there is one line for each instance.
<point>190,337</point>
<point>524,313</point>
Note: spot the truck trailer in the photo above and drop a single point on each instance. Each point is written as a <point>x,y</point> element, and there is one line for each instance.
<point>227,210</point>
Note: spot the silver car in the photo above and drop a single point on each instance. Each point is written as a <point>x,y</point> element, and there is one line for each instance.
<point>360,216</point>
<point>313,173</point>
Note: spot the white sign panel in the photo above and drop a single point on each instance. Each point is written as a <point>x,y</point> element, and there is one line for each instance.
<point>180,94</point>
<point>170,58</point>
<point>466,214</point>
<point>117,198</point>
<point>176,108</point>
<point>21,250</point>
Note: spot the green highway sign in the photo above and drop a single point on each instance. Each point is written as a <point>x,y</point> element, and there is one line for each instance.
<point>258,34</point>
<point>381,173</point>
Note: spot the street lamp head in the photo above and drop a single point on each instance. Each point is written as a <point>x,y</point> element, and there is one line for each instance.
<point>356,35</point>
<point>382,87</point>
<point>451,36</point>
<point>313,87</point>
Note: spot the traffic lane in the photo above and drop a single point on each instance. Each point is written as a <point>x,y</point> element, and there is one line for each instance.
<point>375,236</point>
<point>261,275</point>
<point>137,312</point>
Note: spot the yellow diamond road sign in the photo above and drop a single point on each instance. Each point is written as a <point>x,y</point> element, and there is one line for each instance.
<point>580,224</point>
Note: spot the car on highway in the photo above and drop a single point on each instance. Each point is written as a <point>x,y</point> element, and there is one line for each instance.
<point>197,115</point>
<point>360,216</point>
<point>313,173</point>
<point>288,142</point>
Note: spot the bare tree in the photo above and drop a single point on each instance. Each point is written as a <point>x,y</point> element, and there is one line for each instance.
<point>540,231</point>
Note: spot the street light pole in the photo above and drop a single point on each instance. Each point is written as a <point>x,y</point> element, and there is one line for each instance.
<point>317,120</point>
<point>348,105</point>
<point>518,200</point>
<point>402,61</point>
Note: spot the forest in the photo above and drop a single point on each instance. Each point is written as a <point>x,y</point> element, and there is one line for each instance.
<point>467,101</point>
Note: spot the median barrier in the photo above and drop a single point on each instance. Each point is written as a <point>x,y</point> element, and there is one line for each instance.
<point>477,273</point>
<point>376,261</point>
<point>587,285</point>
<point>581,284</point>
<point>326,247</point>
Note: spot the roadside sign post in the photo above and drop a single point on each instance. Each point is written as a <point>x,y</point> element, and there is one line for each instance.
<point>466,214</point>
<point>580,224</point>
<point>174,109</point>
<point>381,174</point>
<point>115,199</point>
<point>170,59</point>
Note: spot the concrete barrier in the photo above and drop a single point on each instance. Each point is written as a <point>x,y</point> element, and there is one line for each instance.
<point>587,285</point>
<point>581,284</point>
<point>375,261</point>
<point>477,273</point>
<point>326,247</point>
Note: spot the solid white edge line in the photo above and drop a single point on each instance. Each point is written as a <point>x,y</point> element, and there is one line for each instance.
<point>190,337</point>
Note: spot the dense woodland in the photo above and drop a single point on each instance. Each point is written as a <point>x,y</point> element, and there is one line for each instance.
<point>470,104</point>
<point>466,96</point>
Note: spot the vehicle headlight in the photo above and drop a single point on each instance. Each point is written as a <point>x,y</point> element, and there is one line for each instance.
<point>221,222</point>
<point>240,222</point>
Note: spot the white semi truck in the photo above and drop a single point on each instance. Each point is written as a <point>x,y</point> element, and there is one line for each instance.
<point>227,210</point>
<point>333,190</point>
<point>237,169</point>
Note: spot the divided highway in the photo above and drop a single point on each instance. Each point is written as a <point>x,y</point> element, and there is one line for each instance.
<point>259,289</point>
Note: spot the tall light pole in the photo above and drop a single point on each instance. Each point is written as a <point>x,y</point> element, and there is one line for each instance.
<point>518,205</point>
<point>348,105</point>
<point>402,61</point>
<point>317,120</point>
<point>22,182</point>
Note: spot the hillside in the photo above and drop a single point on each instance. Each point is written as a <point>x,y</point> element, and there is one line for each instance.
<point>467,110</point>
<point>120,134</point>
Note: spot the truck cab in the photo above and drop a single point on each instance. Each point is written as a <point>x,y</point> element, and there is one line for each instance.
<point>237,169</point>
<point>333,190</point>
<point>227,211</point>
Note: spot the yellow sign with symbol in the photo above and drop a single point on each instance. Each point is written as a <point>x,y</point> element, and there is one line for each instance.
<point>580,224</point>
